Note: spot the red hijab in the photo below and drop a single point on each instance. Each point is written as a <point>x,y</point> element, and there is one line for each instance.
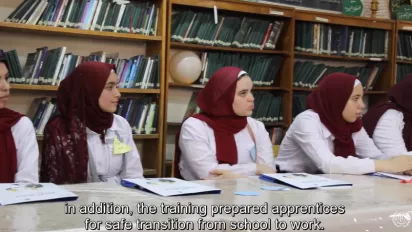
<point>8,152</point>
<point>399,99</point>
<point>329,100</point>
<point>216,101</point>
<point>65,154</point>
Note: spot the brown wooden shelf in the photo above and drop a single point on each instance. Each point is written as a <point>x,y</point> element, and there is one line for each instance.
<point>404,25</point>
<point>366,92</point>
<point>340,19</point>
<point>404,61</point>
<point>54,88</point>
<point>149,172</point>
<point>334,57</point>
<point>8,26</point>
<point>227,49</point>
<point>195,86</point>
<point>241,7</point>
<point>136,137</point>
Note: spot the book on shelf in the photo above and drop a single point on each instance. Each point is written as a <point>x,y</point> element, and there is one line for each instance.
<point>12,60</point>
<point>18,193</point>
<point>340,40</point>
<point>307,74</point>
<point>268,108</point>
<point>50,66</point>
<point>275,135</point>
<point>198,27</point>
<point>120,16</point>
<point>401,71</point>
<point>263,69</point>
<point>298,104</point>
<point>142,113</point>
<point>404,46</point>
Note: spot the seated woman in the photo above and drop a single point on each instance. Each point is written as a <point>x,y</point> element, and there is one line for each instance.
<point>19,152</point>
<point>389,124</point>
<point>223,139</point>
<point>81,143</point>
<point>329,138</point>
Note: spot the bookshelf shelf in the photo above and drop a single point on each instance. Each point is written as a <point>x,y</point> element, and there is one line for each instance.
<point>198,47</point>
<point>135,137</point>
<point>196,86</point>
<point>334,57</point>
<point>54,88</point>
<point>339,19</point>
<point>8,26</point>
<point>300,89</point>
<point>404,61</point>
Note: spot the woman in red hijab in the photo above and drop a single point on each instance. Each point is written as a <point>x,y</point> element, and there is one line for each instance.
<point>86,141</point>
<point>389,124</point>
<point>329,138</point>
<point>223,139</point>
<point>19,152</point>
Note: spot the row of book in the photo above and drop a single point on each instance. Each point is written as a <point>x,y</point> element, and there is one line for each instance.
<point>142,114</point>
<point>50,66</point>
<point>402,70</point>
<point>198,27</point>
<point>308,74</point>
<point>98,15</point>
<point>263,69</point>
<point>268,107</point>
<point>320,38</point>
<point>404,43</point>
<point>275,135</point>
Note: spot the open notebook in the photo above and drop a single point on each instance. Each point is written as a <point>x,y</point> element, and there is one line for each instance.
<point>303,180</point>
<point>169,186</point>
<point>16,193</point>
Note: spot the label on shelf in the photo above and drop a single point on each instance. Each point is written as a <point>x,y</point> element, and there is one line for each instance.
<point>275,12</point>
<point>322,19</point>
<point>408,28</point>
<point>375,59</point>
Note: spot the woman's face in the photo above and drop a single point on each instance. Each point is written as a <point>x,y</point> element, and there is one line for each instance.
<point>4,85</point>
<point>355,106</point>
<point>109,98</point>
<point>243,103</point>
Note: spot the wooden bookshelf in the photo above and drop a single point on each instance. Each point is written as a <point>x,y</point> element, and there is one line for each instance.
<point>26,38</point>
<point>335,57</point>
<point>404,27</point>
<point>300,89</point>
<point>13,27</point>
<point>284,47</point>
<point>197,47</point>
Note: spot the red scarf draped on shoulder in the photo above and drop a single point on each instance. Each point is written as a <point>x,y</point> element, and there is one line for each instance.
<point>65,154</point>
<point>8,152</point>
<point>216,101</point>
<point>329,100</point>
<point>399,99</point>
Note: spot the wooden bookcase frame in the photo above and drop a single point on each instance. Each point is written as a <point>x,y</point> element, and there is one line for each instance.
<point>151,151</point>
